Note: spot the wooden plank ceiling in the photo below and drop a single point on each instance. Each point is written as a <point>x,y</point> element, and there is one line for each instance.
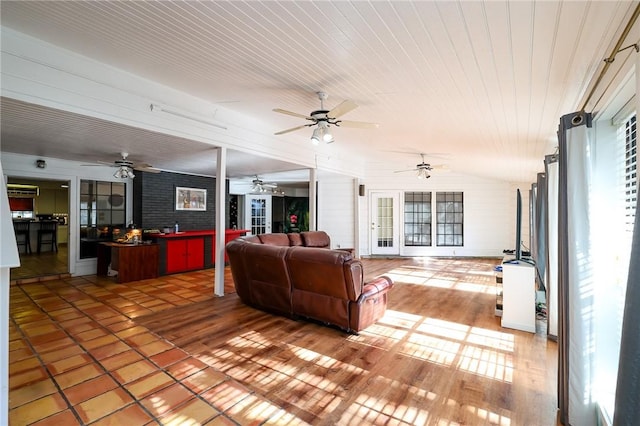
<point>484,82</point>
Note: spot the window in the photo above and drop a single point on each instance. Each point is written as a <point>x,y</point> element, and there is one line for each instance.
<point>449,214</point>
<point>611,288</point>
<point>630,173</point>
<point>417,219</point>
<point>102,206</point>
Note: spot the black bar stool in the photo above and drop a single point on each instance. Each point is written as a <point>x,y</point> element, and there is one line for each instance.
<point>47,234</point>
<point>21,228</point>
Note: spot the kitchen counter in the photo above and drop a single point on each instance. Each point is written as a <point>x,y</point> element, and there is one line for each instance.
<point>189,250</point>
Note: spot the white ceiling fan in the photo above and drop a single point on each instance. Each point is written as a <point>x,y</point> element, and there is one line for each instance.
<point>126,167</point>
<point>324,119</point>
<point>259,186</point>
<point>422,169</point>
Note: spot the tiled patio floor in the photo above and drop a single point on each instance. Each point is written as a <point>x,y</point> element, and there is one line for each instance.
<point>76,357</point>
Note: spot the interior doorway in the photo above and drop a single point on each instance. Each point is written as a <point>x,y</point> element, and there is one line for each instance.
<point>258,214</point>
<point>36,202</point>
<point>385,223</point>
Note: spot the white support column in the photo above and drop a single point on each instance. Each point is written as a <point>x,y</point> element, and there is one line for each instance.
<point>313,208</point>
<point>221,185</point>
<point>4,345</point>
<point>9,258</point>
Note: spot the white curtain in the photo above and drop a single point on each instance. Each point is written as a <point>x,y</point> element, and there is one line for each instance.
<point>576,341</point>
<point>551,272</point>
<point>539,228</point>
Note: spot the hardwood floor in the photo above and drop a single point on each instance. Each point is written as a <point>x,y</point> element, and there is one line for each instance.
<point>47,263</point>
<point>438,357</point>
<point>166,351</point>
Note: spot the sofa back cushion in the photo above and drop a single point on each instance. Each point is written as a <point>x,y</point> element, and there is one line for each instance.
<point>250,238</point>
<point>295,239</point>
<point>277,239</point>
<point>261,276</point>
<point>316,239</point>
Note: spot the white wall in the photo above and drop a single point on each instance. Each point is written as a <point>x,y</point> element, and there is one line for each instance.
<point>337,210</point>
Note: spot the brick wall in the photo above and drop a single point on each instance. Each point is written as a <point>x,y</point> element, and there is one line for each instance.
<point>154,201</point>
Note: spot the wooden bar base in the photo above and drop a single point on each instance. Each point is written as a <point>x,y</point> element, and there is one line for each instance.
<point>133,262</point>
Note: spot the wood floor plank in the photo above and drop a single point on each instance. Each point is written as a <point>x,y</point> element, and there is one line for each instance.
<point>438,357</point>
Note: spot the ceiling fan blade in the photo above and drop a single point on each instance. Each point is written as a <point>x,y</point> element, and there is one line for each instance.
<point>293,129</point>
<point>342,109</point>
<point>146,168</point>
<point>357,124</point>
<point>295,114</point>
<point>403,171</point>
<point>441,167</point>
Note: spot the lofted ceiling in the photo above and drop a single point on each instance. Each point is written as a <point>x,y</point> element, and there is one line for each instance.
<point>478,85</point>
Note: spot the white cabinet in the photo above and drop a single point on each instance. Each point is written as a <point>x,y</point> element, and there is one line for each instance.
<point>519,296</point>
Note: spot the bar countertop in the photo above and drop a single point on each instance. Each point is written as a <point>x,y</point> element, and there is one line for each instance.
<point>199,233</point>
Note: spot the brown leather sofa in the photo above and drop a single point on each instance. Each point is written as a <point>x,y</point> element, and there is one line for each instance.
<point>298,275</point>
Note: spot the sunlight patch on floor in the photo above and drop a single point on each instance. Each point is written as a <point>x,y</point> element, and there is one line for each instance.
<point>374,408</point>
<point>429,348</point>
<point>485,362</point>
<point>477,281</point>
<point>486,353</point>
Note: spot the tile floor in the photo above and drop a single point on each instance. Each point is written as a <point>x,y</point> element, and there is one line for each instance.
<point>77,358</point>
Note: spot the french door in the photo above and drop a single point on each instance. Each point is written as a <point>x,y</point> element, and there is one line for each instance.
<point>257,214</point>
<point>385,229</point>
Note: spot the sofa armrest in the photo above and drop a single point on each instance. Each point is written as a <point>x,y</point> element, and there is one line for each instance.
<point>377,286</point>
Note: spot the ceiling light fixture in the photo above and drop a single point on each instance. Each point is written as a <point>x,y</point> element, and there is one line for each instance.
<point>423,173</point>
<point>124,172</point>
<point>322,133</point>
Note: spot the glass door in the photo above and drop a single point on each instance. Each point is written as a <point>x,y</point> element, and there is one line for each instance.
<point>258,214</point>
<point>385,235</point>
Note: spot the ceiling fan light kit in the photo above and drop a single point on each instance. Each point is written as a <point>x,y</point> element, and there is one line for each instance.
<point>322,133</point>
<point>261,187</point>
<point>324,119</point>
<point>124,172</point>
<point>423,173</point>
<point>125,167</point>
